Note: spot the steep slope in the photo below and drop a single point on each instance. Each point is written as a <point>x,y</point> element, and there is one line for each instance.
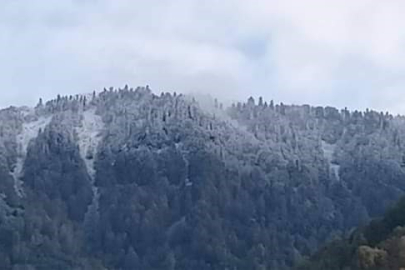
<point>130,180</point>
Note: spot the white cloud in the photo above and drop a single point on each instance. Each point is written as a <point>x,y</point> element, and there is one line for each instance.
<point>342,53</point>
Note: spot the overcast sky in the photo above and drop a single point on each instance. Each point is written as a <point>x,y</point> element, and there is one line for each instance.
<point>341,53</point>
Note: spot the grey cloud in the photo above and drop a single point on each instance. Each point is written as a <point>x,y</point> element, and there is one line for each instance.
<point>344,53</point>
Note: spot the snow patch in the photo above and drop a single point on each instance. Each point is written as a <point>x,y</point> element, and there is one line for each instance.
<point>328,150</point>
<point>188,183</point>
<point>29,132</point>
<point>89,138</point>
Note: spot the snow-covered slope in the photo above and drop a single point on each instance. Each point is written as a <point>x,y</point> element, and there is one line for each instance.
<point>89,138</point>
<point>30,130</point>
<point>89,133</point>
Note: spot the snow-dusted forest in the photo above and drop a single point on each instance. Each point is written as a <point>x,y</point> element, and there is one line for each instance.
<point>127,179</point>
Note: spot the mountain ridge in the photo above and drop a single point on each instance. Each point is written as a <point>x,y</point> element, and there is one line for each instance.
<point>126,179</point>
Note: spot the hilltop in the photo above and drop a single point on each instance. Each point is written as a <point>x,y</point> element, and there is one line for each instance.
<point>127,179</point>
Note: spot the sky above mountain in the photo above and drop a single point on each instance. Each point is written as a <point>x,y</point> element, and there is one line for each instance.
<point>336,52</point>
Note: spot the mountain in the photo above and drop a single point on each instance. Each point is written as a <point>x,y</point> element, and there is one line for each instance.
<point>126,179</point>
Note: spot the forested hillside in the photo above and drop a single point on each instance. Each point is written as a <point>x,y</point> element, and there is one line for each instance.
<point>127,179</point>
<point>378,246</point>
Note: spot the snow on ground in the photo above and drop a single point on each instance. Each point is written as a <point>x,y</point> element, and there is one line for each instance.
<point>328,150</point>
<point>29,132</point>
<point>89,138</point>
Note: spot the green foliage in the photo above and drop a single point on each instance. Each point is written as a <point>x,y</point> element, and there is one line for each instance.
<point>377,246</point>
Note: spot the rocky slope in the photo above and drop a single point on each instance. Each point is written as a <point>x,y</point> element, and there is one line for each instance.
<point>126,179</point>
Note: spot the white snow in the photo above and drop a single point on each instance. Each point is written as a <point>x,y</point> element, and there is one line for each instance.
<point>29,132</point>
<point>188,183</point>
<point>89,138</point>
<point>328,150</point>
<point>16,174</point>
<point>25,111</point>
